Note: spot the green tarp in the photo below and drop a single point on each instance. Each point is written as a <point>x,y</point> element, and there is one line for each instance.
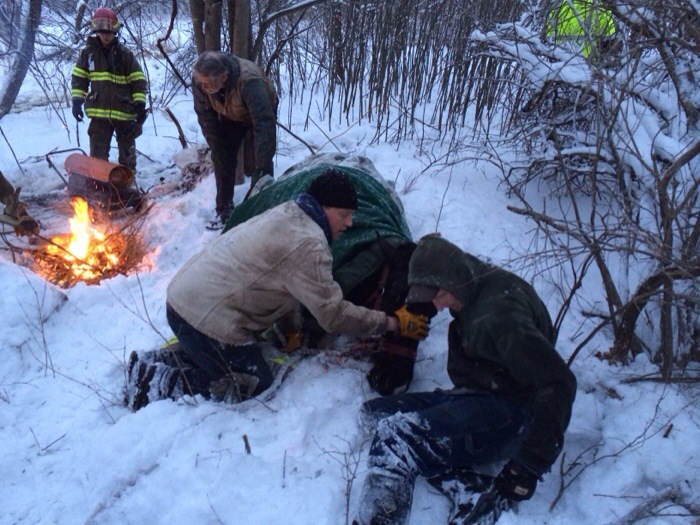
<point>356,253</point>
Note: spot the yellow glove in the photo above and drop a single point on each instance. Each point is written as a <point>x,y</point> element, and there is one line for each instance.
<point>294,341</point>
<point>413,326</point>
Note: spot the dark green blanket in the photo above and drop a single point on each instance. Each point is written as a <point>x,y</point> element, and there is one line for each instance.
<point>356,253</point>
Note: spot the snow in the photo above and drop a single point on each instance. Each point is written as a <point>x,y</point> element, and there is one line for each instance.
<point>72,454</point>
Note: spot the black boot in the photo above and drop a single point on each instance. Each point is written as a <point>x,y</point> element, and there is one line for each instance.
<point>473,496</point>
<point>386,499</point>
<point>138,382</point>
<point>233,388</point>
<point>150,380</point>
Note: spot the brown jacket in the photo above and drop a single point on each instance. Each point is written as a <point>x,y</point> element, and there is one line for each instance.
<point>260,271</point>
<point>247,98</point>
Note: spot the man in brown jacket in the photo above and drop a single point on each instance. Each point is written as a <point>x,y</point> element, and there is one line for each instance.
<point>232,96</point>
<point>251,277</point>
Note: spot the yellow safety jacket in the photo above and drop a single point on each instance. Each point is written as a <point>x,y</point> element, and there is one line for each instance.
<point>584,23</point>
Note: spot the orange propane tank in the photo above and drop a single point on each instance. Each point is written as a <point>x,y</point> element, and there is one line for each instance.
<point>101,170</point>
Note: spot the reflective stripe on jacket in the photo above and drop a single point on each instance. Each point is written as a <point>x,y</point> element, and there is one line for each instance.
<point>109,80</point>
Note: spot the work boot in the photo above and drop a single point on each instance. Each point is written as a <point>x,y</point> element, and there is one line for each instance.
<point>150,381</point>
<point>16,215</point>
<point>138,382</point>
<point>233,388</point>
<point>222,215</point>
<point>473,497</point>
<point>216,224</point>
<point>386,499</point>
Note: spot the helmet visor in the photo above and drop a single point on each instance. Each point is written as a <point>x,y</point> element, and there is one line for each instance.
<point>104,25</point>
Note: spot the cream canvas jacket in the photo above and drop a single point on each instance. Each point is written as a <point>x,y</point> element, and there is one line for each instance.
<point>259,272</point>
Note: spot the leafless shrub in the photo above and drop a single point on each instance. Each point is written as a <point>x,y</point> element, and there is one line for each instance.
<point>622,161</point>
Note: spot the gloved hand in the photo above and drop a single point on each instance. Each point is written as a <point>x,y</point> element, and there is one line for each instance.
<point>414,326</point>
<point>140,119</point>
<point>16,215</point>
<point>391,373</point>
<point>141,114</point>
<point>516,482</point>
<point>27,226</point>
<point>259,180</point>
<point>78,109</point>
<point>293,342</point>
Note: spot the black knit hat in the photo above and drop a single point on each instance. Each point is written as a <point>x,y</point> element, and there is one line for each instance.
<point>334,189</point>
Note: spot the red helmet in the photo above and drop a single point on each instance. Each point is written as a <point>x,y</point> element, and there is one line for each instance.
<point>104,19</point>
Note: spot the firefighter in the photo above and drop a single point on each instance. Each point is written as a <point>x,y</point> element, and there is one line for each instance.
<point>109,82</point>
<point>15,211</point>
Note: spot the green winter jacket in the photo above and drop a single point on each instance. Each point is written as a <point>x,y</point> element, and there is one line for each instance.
<point>502,341</point>
<point>379,214</point>
<point>113,77</point>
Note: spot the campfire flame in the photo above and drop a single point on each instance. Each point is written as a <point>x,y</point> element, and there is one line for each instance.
<point>87,252</point>
<point>95,249</point>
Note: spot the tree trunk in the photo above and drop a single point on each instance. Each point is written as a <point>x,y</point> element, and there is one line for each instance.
<point>239,27</point>
<point>666,329</point>
<point>239,31</point>
<point>22,58</point>
<point>197,13</point>
<point>336,43</point>
<point>79,18</point>
<point>212,25</point>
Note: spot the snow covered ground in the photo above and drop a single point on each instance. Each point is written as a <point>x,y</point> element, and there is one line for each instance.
<point>71,453</point>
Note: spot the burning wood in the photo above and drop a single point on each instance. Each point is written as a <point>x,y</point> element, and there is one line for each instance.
<point>94,250</point>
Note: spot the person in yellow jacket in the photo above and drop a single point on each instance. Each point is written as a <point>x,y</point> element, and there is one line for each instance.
<point>585,24</point>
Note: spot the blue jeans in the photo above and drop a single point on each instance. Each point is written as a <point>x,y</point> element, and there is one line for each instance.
<point>430,433</point>
<point>217,359</point>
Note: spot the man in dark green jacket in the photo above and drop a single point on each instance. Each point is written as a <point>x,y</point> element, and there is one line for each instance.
<point>503,424</point>
<point>108,79</point>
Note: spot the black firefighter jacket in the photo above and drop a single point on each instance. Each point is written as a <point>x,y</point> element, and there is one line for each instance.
<point>114,79</point>
<point>502,341</point>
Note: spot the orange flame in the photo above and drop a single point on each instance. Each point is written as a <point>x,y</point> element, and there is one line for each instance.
<point>86,250</point>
